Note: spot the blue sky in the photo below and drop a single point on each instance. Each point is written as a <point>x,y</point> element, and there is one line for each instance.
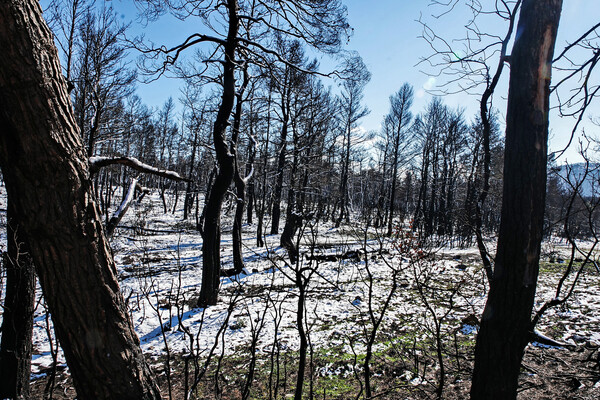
<point>386,35</point>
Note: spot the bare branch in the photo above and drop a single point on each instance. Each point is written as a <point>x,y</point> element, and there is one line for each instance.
<point>98,162</point>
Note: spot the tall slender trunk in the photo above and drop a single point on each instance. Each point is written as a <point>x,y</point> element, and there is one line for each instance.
<point>94,128</point>
<point>343,202</point>
<point>238,180</point>
<point>263,198</point>
<point>394,180</point>
<point>249,171</point>
<point>442,205</point>
<point>484,112</point>
<point>240,190</point>
<point>430,214</point>
<point>276,210</point>
<point>506,321</point>
<point>301,284</point>
<point>292,219</point>
<point>211,246</point>
<point>422,199</point>
<point>187,206</point>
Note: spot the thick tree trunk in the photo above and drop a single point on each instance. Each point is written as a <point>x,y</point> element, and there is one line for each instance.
<point>506,320</point>
<point>45,167</point>
<point>211,246</point>
<point>211,234</point>
<point>292,223</point>
<point>17,319</point>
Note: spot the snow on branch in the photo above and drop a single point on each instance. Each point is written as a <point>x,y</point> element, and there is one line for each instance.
<point>118,215</point>
<point>98,162</point>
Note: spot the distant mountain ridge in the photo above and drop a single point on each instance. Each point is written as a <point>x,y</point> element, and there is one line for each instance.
<point>575,173</point>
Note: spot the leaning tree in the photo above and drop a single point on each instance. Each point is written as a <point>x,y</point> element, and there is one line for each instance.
<point>45,168</point>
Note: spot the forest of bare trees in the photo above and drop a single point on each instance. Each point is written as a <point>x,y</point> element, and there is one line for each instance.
<point>259,157</point>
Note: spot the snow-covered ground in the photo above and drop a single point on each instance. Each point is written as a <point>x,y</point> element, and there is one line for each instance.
<point>160,271</point>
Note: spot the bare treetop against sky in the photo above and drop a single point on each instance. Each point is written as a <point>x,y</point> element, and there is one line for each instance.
<point>388,36</point>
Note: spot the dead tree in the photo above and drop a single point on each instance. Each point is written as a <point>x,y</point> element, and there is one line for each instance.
<point>352,112</point>
<point>240,181</point>
<point>17,320</point>
<point>506,320</point>
<point>396,122</point>
<point>320,24</point>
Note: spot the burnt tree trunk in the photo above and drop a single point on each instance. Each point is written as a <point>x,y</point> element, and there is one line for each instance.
<point>262,204</point>
<point>45,167</point>
<point>285,108</point>
<point>189,196</point>
<point>211,233</point>
<point>17,319</point>
<point>506,320</point>
<point>250,170</point>
<point>343,199</point>
<point>390,227</point>
<point>293,218</point>
<point>238,180</point>
<point>276,210</point>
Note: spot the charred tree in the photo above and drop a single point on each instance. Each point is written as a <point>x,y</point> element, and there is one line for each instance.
<point>262,202</point>
<point>211,232</point>
<point>506,320</point>
<point>287,81</point>
<point>247,29</point>
<point>352,112</point>
<point>239,181</point>
<point>396,121</point>
<point>293,218</point>
<point>17,318</point>
<point>189,197</point>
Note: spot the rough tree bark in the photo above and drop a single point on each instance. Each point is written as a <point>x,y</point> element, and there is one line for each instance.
<point>506,320</point>
<point>17,319</point>
<point>45,167</point>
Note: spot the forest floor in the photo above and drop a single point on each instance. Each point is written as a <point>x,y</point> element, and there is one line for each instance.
<point>424,303</point>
